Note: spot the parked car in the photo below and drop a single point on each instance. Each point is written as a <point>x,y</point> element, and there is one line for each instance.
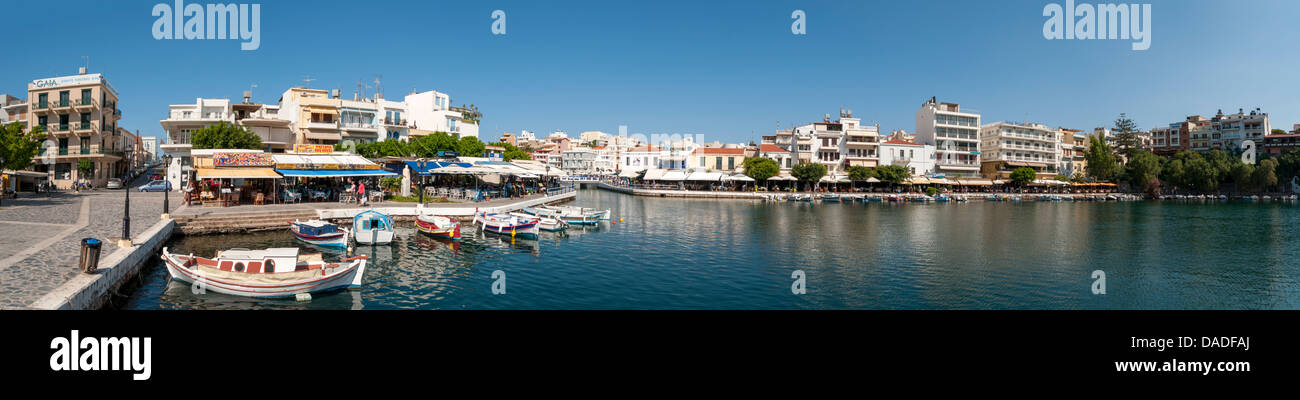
<point>114,183</point>
<point>156,186</point>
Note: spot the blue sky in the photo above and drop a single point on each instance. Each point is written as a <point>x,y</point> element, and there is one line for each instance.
<point>727,70</point>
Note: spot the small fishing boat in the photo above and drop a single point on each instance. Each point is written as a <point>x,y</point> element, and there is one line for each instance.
<point>803,197</point>
<point>831,198</point>
<point>278,272</point>
<point>942,198</point>
<point>372,227</point>
<point>545,223</point>
<point>438,226</point>
<point>506,224</point>
<point>570,214</point>
<point>319,233</point>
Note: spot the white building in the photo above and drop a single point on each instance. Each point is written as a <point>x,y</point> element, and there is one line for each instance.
<point>784,157</point>
<point>432,111</point>
<point>953,133</point>
<point>183,120</point>
<point>1229,131</point>
<point>150,146</point>
<point>838,145</point>
<point>391,118</point>
<point>917,158</point>
<point>357,121</point>
<point>1006,146</point>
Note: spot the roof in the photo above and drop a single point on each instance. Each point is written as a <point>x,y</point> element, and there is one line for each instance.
<point>720,151</point>
<point>771,148</point>
<point>900,142</point>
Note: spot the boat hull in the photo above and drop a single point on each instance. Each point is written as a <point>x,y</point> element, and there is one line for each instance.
<point>507,225</point>
<point>450,230</point>
<point>339,279</point>
<point>338,239</point>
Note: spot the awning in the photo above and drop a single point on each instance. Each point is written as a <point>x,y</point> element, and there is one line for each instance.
<point>873,180</point>
<point>431,167</point>
<point>332,173</point>
<point>738,177</point>
<point>783,178</point>
<point>236,173</point>
<point>673,176</point>
<point>916,181</point>
<point>975,182</point>
<point>704,176</point>
<point>628,173</point>
<point>654,174</point>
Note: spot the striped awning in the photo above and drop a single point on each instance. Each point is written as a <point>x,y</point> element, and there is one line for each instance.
<point>236,173</point>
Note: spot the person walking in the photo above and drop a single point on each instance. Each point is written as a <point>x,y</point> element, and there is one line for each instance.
<point>361,193</point>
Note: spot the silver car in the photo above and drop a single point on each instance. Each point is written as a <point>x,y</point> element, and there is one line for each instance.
<point>114,183</point>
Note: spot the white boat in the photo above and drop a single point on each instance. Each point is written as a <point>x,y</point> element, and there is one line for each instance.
<point>570,214</point>
<point>545,223</point>
<point>320,233</point>
<point>280,272</point>
<point>372,227</point>
<point>506,224</point>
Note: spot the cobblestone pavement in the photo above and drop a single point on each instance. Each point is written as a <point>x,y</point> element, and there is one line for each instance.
<point>40,237</point>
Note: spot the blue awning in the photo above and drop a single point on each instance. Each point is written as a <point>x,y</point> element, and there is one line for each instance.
<point>333,173</point>
<point>430,166</point>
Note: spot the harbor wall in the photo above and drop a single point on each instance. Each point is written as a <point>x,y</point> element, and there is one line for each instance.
<point>117,265</point>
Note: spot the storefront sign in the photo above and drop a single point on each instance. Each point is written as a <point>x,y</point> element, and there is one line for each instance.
<point>313,148</point>
<point>242,160</point>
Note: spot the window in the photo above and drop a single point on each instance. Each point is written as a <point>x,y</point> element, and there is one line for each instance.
<point>63,97</point>
<point>85,96</point>
<point>717,163</point>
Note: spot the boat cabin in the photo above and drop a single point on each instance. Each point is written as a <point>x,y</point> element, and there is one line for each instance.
<point>267,261</point>
<point>316,228</point>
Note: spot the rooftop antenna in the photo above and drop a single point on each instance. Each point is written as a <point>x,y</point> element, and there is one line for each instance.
<point>307,81</point>
<point>379,87</point>
<point>361,89</point>
<point>86,65</point>
<point>250,92</point>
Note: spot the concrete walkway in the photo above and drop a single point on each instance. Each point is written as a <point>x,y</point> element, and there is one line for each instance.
<point>40,237</point>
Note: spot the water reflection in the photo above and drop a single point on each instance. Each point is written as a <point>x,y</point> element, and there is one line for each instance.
<point>737,254</point>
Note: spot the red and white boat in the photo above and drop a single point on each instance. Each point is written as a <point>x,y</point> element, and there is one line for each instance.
<point>438,226</point>
<point>280,272</point>
<point>507,224</point>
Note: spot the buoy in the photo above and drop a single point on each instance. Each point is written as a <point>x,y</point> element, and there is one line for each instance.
<point>620,220</point>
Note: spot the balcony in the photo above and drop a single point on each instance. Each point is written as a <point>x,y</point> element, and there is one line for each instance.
<point>357,126</point>
<point>60,104</point>
<point>83,127</point>
<point>56,128</point>
<point>83,103</point>
<point>394,122</point>
<point>322,125</point>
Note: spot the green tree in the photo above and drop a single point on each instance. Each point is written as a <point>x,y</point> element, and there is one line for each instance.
<point>428,146</point>
<point>1143,171</point>
<point>860,173</point>
<point>1241,174</point>
<point>1173,172</point>
<point>1127,141</point>
<point>224,135</point>
<point>1288,166</point>
<point>469,146</point>
<point>85,167</point>
<point>892,174</point>
<point>1101,160</point>
<point>1265,176</point>
<point>1200,175</point>
<point>1222,163</point>
<point>1023,176</point>
<point>513,152</point>
<point>808,172</point>
<point>18,147</point>
<point>761,168</point>
<point>1278,131</point>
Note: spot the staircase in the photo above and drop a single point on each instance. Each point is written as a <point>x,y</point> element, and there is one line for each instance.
<point>239,222</point>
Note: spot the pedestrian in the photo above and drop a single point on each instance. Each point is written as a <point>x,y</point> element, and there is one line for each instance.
<point>361,192</point>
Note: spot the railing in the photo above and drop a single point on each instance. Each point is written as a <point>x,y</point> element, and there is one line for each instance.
<point>396,122</point>
<point>84,126</point>
<point>56,127</point>
<point>61,103</point>
<point>84,102</point>
<point>357,125</point>
<point>41,105</point>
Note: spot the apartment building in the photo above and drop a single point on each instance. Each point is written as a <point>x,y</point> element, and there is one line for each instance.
<point>721,159</point>
<point>264,120</point>
<point>954,133</point>
<point>1170,139</point>
<point>79,113</point>
<point>917,158</point>
<point>432,111</point>
<point>1229,131</point>
<point>1074,152</point>
<point>1007,146</point>
<point>784,157</point>
<point>12,109</point>
<point>838,145</point>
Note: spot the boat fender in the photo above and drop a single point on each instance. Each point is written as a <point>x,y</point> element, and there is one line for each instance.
<point>302,297</point>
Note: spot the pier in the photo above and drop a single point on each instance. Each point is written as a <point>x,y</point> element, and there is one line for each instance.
<point>39,270</point>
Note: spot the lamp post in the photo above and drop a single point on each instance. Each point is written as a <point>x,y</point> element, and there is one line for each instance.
<point>126,221</point>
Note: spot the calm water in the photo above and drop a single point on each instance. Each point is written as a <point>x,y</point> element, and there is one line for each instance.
<point>737,254</point>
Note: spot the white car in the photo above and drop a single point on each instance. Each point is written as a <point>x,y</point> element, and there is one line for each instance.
<point>114,183</point>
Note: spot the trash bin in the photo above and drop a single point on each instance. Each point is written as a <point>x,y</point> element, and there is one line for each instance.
<point>89,254</point>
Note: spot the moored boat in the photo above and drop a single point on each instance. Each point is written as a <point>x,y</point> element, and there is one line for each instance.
<point>438,226</point>
<point>546,223</point>
<point>277,272</point>
<point>507,224</point>
<point>372,227</point>
<point>319,233</point>
<point>831,198</point>
<point>570,214</point>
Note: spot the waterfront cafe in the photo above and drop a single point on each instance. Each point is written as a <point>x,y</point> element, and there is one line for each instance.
<point>231,177</point>
<point>318,173</point>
